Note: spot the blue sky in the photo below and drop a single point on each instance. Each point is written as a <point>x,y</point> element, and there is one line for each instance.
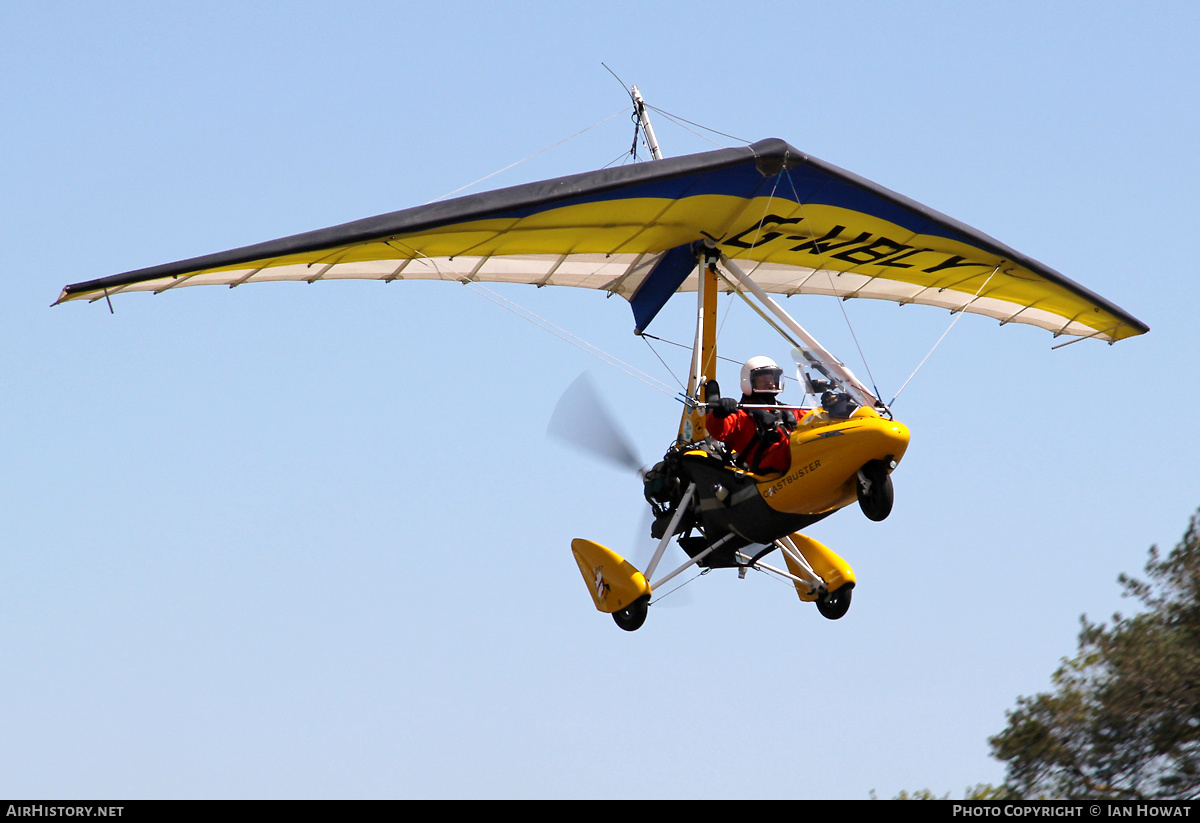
<point>311,541</point>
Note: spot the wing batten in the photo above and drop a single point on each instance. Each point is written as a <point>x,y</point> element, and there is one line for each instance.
<point>397,272</point>
<point>319,274</point>
<point>617,285</point>
<point>177,281</point>
<point>246,279</point>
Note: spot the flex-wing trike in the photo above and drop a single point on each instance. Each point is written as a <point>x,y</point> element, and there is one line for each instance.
<point>725,516</point>
<point>800,225</point>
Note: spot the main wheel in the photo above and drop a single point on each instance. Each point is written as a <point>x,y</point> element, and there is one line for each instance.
<point>633,616</point>
<point>875,495</point>
<point>834,605</point>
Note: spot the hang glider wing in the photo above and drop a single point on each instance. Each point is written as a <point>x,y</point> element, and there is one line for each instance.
<point>796,224</point>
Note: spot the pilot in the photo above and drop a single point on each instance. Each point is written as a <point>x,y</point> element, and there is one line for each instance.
<point>760,437</point>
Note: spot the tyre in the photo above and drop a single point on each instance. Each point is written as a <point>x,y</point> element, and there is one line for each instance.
<point>633,616</point>
<point>875,495</point>
<point>834,605</point>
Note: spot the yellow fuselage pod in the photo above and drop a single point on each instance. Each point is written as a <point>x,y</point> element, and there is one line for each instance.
<point>826,456</point>
<point>613,581</point>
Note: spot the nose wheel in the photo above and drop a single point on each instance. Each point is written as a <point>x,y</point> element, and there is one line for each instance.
<point>875,490</point>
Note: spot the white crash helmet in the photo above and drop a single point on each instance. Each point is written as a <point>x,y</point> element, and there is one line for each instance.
<point>756,367</point>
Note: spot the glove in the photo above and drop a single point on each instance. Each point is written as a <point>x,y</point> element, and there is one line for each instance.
<point>724,407</point>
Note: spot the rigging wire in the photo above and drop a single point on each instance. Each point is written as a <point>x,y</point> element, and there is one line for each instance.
<point>575,340</point>
<point>957,314</point>
<point>685,346</point>
<point>773,577</point>
<point>664,362</point>
<point>841,302</point>
<point>530,157</point>
<point>717,337</point>
<point>676,119</point>
<point>679,120</point>
<point>791,584</point>
<point>621,158</point>
<point>694,578</point>
<point>541,322</point>
<point>736,288</point>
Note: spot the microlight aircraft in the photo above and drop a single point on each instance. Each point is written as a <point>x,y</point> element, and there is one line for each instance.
<point>753,221</point>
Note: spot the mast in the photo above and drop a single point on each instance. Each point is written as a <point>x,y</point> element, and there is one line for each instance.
<point>644,121</point>
<point>704,346</point>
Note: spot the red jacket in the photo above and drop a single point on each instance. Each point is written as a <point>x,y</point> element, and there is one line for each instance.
<point>739,432</point>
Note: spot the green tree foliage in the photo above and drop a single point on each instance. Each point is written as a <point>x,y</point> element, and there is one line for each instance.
<point>977,792</point>
<point>1123,719</point>
<point>980,791</point>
